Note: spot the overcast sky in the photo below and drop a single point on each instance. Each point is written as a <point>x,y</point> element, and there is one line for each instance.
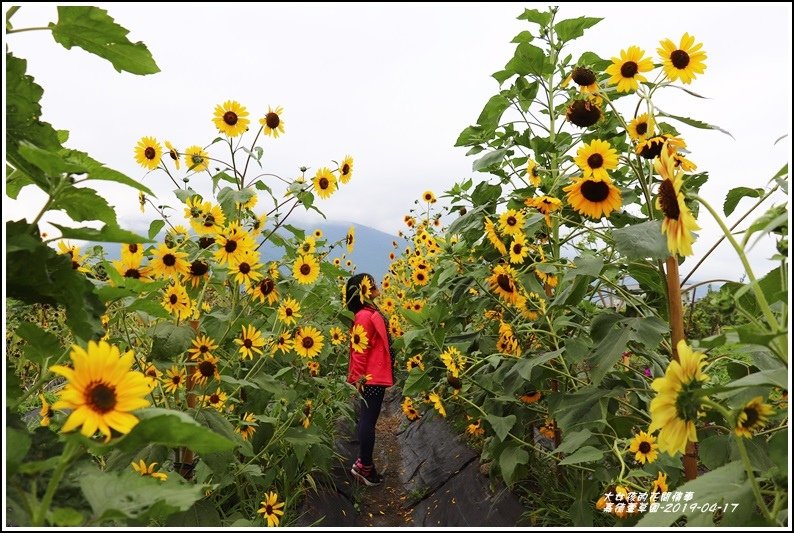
<point>393,86</point>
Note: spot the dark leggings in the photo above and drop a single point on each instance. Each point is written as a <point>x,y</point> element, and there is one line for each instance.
<point>367,418</point>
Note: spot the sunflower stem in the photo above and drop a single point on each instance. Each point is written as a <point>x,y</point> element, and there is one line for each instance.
<point>67,456</point>
<point>770,317</point>
<point>43,378</point>
<point>748,468</point>
<point>22,30</point>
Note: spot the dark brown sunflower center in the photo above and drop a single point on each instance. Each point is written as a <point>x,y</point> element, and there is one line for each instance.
<point>595,161</point>
<point>349,239</point>
<point>305,269</point>
<point>75,265</point>
<point>206,242</point>
<point>209,221</point>
<point>214,398</point>
<point>288,311</point>
<point>198,268</point>
<point>628,69</point>
<point>679,58</point>
<point>272,120</point>
<point>752,417</point>
<point>248,343</point>
<point>267,286</point>
<point>132,273</point>
<point>356,339</point>
<point>668,200</point>
<point>230,118</point>
<point>173,154</point>
<point>642,128</point>
<point>517,247</point>
<point>268,509</point>
<point>173,299</point>
<point>595,191</point>
<point>645,447</point>
<point>176,380</point>
<point>204,348</point>
<point>345,169</point>
<point>428,198</point>
<point>133,248</point>
<point>581,113</point>
<point>420,276</point>
<point>306,247</point>
<point>504,282</point>
<point>244,268</point>
<point>150,152</point>
<point>323,183</point>
<point>230,246</point>
<point>169,260</point>
<point>583,76</point>
<point>207,368</point>
<point>511,221</point>
<point>307,342</point>
<point>100,397</point>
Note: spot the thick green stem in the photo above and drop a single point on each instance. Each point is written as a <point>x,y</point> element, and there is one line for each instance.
<point>69,453</point>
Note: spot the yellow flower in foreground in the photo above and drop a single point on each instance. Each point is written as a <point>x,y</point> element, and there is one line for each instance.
<point>626,70</point>
<point>271,509</point>
<point>337,336</point>
<point>358,339</point>
<point>678,222</point>
<point>250,342</point>
<point>493,237</point>
<point>644,447</point>
<point>324,183</point>
<point>659,486</point>
<point>102,390</point>
<point>196,159</point>
<point>675,408</point>
<point>272,124</point>
<point>753,417</point>
<point>230,118</point>
<point>593,198</point>
<point>175,379</point>
<point>306,269</point>
<point>595,159</point>
<point>144,470</point>
<point>308,342</point>
<point>429,197</point>
<point>682,61</point>
<point>148,153</point>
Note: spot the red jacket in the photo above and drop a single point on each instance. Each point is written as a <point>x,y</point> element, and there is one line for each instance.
<point>375,360</point>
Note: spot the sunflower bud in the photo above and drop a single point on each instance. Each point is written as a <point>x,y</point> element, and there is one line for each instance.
<point>583,113</point>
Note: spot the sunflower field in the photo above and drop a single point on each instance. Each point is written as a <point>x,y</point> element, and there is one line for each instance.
<point>537,308</point>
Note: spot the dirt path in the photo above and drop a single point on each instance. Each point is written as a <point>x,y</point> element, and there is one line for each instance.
<point>382,506</point>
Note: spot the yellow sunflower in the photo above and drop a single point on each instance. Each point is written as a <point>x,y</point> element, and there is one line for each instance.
<point>675,408</point>
<point>511,222</point>
<point>435,399</point>
<point>45,412</point>
<point>545,204</point>
<point>337,336</point>
<point>145,470</point>
<point>202,346</point>
<point>493,237</point>
<point>172,153</point>
<point>682,61</point>
<point>678,222</point>
<point>595,159</point>
<point>271,509</point>
<point>420,278</point>
<point>230,118</point>
<point>205,369</point>
<point>475,430</point>
<point>625,71</point>
<point>198,272</point>
<point>659,487</point>
<point>289,311</point>
<point>346,169</point>
<point>176,301</point>
<point>350,239</point>
<point>502,282</point>
<point>408,409</point>
<point>307,246</point>
<point>73,251</point>
<point>168,263</point>
<point>518,248</point>
<point>282,344</point>
<point>585,78</point>
<point>313,367</point>
<point>415,362</point>
<point>429,197</point>
<point>264,291</point>
<point>247,426</point>
<point>148,153</point>
<point>641,128</point>
<point>593,198</point>
<point>235,244</point>
<point>215,400</point>
<point>250,342</point>
<point>245,269</point>
<point>101,390</point>
<point>365,289</point>
<point>324,183</point>
<point>272,123</point>
<point>175,379</point>
<point>308,342</point>
<point>306,269</point>
<point>753,417</point>
<point>132,251</point>
<point>211,221</point>
<point>196,159</point>
<point>130,267</point>
<point>358,339</point>
<point>644,447</point>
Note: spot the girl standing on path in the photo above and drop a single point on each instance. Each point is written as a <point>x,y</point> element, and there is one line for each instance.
<point>370,368</point>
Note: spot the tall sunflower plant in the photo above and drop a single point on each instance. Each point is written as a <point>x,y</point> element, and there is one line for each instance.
<point>550,315</point>
<point>191,373</point>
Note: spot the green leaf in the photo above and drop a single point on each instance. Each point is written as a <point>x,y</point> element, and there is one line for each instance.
<point>492,112</point>
<point>642,241</point>
<point>485,193</point>
<point>417,382</point>
<point>570,29</point>
<point>773,378</point>
<point>573,441</point>
<point>185,194</point>
<point>778,450</point>
<point>538,17</point>
<point>500,76</point>
<point>524,366</point>
<point>127,495</point>
<point>40,344</point>
<point>65,517</point>
<point>48,160</point>
<point>511,457</point>
<point>17,445</point>
<point>108,233</point>
<point>155,227</point>
<point>528,59</point>
<point>694,123</point>
<point>93,30</point>
<point>10,13</point>
<point>587,264</point>
<point>98,171</point>
<point>489,160</point>
<point>84,204</point>
<point>736,194</point>
<point>152,308</point>
<point>16,180</point>
<point>585,454</point>
<point>608,352</point>
<point>713,451</point>
<point>501,424</point>
<point>471,136</point>
<point>169,340</point>
<point>523,37</point>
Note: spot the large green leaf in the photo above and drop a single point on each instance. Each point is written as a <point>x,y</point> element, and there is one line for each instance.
<point>16,180</point>
<point>501,424</point>
<point>512,456</point>
<point>573,441</point>
<point>17,445</point>
<point>93,30</point>
<point>492,112</point>
<point>169,340</point>
<point>127,495</point>
<point>570,29</point>
<point>98,171</point>
<point>488,160</point>
<point>538,17</point>
<point>642,241</point>
<point>736,194</point>
<point>84,204</point>
<point>107,233</point>
<point>40,344</point>
<point>524,366</point>
<point>528,59</point>
<point>585,454</point>
<point>417,382</point>
<point>694,123</point>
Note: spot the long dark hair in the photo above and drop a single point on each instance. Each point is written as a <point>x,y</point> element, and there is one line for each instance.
<point>354,303</point>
